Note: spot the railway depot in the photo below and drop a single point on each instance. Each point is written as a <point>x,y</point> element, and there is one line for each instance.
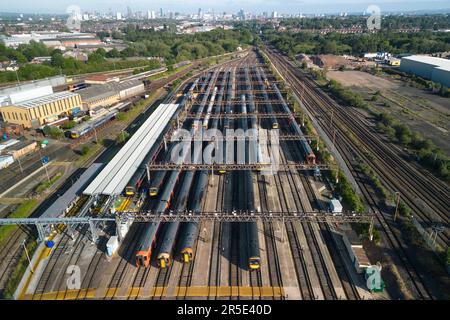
<point>157,247</point>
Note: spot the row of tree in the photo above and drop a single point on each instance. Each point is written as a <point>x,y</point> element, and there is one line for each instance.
<point>336,43</point>
<point>179,47</point>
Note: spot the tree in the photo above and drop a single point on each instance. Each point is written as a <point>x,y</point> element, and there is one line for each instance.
<point>53,132</point>
<point>57,60</point>
<point>95,58</point>
<point>114,53</point>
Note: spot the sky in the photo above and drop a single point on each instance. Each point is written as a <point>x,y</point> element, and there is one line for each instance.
<point>256,6</point>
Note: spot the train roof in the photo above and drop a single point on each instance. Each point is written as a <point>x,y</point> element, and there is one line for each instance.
<point>115,176</point>
<point>147,236</point>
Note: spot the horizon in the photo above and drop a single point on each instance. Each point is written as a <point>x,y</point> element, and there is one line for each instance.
<point>232,6</point>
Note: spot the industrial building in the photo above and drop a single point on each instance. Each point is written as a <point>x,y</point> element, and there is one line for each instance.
<point>110,93</point>
<point>435,69</point>
<point>35,112</point>
<point>16,93</point>
<point>98,96</point>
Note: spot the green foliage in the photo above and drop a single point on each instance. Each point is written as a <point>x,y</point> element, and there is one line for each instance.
<point>427,152</point>
<point>122,137</point>
<point>349,197</point>
<point>85,150</point>
<point>59,64</point>
<point>69,125</point>
<point>53,132</point>
<point>17,274</point>
<point>403,209</point>
<point>47,184</point>
<point>344,43</point>
<point>180,47</point>
<point>354,99</point>
<point>121,116</point>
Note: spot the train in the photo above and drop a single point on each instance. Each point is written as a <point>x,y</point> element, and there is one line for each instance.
<point>145,244</point>
<point>263,83</point>
<point>146,240</point>
<point>307,151</point>
<point>136,180</point>
<point>89,126</point>
<point>254,258</point>
<point>246,187</point>
<point>195,122</point>
<point>209,109</point>
<point>189,230</point>
<point>164,257</point>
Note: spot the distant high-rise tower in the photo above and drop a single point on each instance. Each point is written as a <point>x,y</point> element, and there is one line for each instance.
<point>161,13</point>
<point>129,13</point>
<point>200,13</point>
<point>274,14</point>
<point>118,16</point>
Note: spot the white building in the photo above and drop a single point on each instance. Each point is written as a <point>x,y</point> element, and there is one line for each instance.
<point>118,16</point>
<point>151,15</point>
<point>435,69</point>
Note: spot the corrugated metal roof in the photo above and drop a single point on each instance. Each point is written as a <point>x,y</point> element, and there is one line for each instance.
<point>114,177</point>
<point>64,201</point>
<point>439,63</point>
<point>33,103</point>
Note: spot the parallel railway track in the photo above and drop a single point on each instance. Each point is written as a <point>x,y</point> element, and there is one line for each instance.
<point>396,173</point>
<point>393,240</point>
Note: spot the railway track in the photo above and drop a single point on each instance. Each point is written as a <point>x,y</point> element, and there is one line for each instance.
<point>325,229</point>
<point>273,263</point>
<point>393,240</point>
<point>396,173</point>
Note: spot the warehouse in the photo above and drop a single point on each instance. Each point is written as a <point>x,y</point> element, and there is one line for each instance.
<point>110,93</point>
<point>31,89</point>
<point>98,96</point>
<point>435,69</point>
<point>127,89</point>
<point>33,113</point>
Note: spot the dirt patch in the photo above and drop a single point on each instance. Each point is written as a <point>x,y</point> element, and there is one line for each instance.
<point>361,79</point>
<point>424,112</point>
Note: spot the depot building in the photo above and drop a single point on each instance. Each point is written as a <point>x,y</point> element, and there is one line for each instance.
<point>44,107</point>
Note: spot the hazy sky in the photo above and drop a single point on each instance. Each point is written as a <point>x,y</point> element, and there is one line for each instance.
<point>282,6</point>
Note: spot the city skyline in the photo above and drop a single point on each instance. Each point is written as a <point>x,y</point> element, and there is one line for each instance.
<point>254,6</point>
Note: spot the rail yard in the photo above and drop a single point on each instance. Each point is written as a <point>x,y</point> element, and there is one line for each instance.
<point>219,194</point>
<point>245,225</point>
